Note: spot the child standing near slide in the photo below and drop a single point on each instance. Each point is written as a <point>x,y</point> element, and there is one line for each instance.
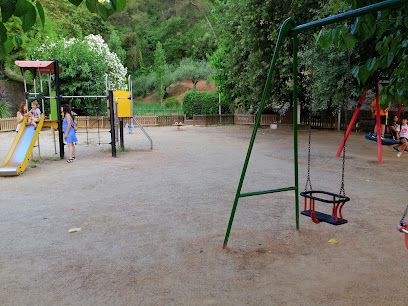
<point>35,114</point>
<point>402,135</point>
<point>22,112</point>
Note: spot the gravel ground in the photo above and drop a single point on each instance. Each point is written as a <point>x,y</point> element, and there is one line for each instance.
<point>153,223</point>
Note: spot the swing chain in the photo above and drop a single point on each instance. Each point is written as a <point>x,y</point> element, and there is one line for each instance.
<point>345,106</point>
<point>308,180</point>
<point>403,216</point>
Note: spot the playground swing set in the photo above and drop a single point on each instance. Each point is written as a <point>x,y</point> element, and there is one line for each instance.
<point>290,30</point>
<point>119,105</point>
<point>380,141</point>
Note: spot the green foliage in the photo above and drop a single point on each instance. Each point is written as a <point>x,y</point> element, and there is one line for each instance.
<point>205,103</point>
<point>172,103</point>
<point>27,11</point>
<point>180,26</point>
<point>143,84</point>
<point>153,109</point>
<point>222,82</point>
<point>386,32</point>
<point>4,106</point>
<point>190,69</point>
<point>248,31</point>
<point>5,110</point>
<point>115,45</point>
<point>326,78</point>
<point>160,68</point>
<point>84,64</point>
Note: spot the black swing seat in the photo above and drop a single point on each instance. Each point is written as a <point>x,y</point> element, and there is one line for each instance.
<point>324,217</point>
<point>337,201</point>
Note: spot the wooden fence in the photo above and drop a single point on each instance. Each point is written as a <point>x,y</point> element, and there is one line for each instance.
<point>104,123</point>
<point>322,122</point>
<point>213,119</point>
<point>234,119</point>
<point>8,124</point>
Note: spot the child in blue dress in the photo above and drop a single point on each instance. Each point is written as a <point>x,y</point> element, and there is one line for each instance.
<point>69,132</point>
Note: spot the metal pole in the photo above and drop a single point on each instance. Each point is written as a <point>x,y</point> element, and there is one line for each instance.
<point>219,105</point>
<point>41,89</point>
<point>82,97</point>
<point>38,146</point>
<point>112,122</point>
<point>59,116</point>
<point>347,15</point>
<point>55,143</point>
<point>295,125</point>
<point>122,141</point>
<point>288,24</point>
<point>25,86</point>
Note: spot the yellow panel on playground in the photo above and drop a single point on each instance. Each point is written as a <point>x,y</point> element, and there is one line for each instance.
<point>125,103</point>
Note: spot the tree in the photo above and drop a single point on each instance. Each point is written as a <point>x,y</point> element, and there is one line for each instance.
<point>28,11</point>
<point>160,69</point>
<point>115,46</point>
<point>386,32</point>
<point>84,63</point>
<point>248,31</point>
<point>194,71</point>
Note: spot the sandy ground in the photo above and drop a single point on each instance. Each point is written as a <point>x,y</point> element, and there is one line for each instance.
<point>153,223</point>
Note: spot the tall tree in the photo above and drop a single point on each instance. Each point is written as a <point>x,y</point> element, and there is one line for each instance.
<point>386,33</point>
<point>248,31</point>
<point>160,69</point>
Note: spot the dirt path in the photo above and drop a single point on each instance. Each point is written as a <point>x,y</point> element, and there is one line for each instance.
<point>153,224</point>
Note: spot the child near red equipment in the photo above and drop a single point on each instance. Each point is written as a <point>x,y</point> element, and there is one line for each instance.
<point>383,117</point>
<point>402,135</point>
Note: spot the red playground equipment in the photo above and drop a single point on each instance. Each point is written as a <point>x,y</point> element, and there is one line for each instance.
<point>378,124</point>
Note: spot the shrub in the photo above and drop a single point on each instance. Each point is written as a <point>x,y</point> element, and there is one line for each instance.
<point>143,84</point>
<point>195,103</point>
<point>172,103</point>
<point>84,63</point>
<point>4,106</point>
<point>5,110</point>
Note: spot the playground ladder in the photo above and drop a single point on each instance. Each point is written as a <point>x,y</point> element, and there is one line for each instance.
<point>144,131</point>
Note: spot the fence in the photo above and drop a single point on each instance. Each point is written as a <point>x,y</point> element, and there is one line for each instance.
<point>8,124</point>
<point>213,119</point>
<point>104,123</point>
<point>91,122</point>
<point>322,122</point>
<point>157,112</point>
<point>234,119</point>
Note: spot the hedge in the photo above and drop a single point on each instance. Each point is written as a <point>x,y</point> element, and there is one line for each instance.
<point>195,103</point>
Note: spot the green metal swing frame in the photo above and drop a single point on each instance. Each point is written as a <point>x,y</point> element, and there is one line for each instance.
<point>290,30</point>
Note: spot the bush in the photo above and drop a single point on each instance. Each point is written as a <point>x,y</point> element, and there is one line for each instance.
<point>143,84</point>
<point>5,110</point>
<point>195,103</point>
<point>4,106</point>
<point>84,63</point>
<point>172,103</point>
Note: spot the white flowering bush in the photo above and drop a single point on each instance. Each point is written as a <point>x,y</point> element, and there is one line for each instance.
<point>85,64</point>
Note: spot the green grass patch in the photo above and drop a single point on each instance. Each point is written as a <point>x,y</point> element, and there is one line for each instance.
<point>39,160</point>
<point>154,109</point>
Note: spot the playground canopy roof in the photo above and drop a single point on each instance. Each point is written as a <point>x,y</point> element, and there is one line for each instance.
<point>43,67</point>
